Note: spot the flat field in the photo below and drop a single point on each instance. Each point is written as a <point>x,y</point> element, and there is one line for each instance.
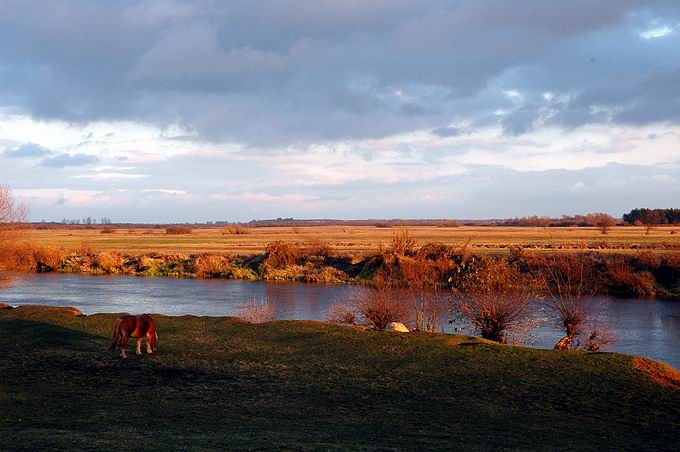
<point>358,239</point>
<point>223,384</point>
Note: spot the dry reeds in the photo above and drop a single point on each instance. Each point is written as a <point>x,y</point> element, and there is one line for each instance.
<point>211,266</point>
<point>236,229</point>
<point>178,230</point>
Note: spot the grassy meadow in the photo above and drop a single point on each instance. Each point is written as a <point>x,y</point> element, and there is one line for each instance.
<point>355,239</point>
<point>221,383</point>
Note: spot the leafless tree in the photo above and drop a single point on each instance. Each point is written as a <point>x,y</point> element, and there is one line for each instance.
<point>603,221</point>
<point>12,214</point>
<point>568,282</point>
<point>423,292</point>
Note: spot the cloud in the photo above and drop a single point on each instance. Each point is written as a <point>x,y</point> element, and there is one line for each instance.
<point>273,73</point>
<point>280,107</point>
<point>28,150</point>
<point>67,160</point>
<point>658,32</point>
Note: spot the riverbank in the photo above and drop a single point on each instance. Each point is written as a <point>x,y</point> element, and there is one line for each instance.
<point>222,383</point>
<point>643,274</point>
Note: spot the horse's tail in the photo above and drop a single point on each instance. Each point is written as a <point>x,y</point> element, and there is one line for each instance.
<point>116,335</point>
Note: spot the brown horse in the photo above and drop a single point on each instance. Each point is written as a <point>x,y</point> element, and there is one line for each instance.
<point>138,327</point>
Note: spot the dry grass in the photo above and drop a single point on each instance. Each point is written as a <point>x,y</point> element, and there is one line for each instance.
<point>661,373</point>
<point>366,239</point>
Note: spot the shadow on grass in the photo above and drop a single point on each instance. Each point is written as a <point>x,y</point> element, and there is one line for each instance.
<point>28,334</point>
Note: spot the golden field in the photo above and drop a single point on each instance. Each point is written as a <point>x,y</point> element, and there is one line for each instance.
<point>355,239</point>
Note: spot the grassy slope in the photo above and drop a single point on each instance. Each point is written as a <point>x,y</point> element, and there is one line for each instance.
<point>310,384</point>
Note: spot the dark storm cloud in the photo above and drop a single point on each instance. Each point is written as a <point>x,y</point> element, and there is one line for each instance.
<point>284,72</point>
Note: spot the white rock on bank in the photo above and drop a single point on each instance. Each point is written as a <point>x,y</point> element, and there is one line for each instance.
<point>396,326</point>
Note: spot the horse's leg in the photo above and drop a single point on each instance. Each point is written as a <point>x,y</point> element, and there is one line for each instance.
<point>139,346</point>
<point>148,344</point>
<point>123,345</point>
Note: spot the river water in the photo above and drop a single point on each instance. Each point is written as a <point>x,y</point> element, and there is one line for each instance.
<point>643,327</point>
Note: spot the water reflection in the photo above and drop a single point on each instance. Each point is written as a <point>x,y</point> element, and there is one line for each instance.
<point>643,327</point>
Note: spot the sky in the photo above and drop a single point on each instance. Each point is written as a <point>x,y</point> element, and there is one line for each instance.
<point>192,111</point>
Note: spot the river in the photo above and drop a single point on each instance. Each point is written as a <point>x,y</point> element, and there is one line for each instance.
<point>649,328</point>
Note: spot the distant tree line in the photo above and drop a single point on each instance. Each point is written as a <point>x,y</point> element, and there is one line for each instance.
<point>652,216</point>
<point>86,220</point>
<point>588,220</point>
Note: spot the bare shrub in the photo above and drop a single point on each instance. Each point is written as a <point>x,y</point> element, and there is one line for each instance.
<point>566,281</point>
<point>258,311</point>
<point>403,243</point>
<point>107,231</point>
<point>280,254</point>
<point>343,313</point>
<point>496,300</point>
<point>599,336</point>
<point>378,307</point>
<point>178,230</point>
<point>211,266</point>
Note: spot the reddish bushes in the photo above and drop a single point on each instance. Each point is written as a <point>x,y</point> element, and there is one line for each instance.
<point>378,307</point>
<point>211,266</point>
<point>281,254</point>
<point>624,279</point>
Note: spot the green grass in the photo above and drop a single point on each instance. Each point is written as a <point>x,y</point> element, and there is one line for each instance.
<point>220,383</point>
